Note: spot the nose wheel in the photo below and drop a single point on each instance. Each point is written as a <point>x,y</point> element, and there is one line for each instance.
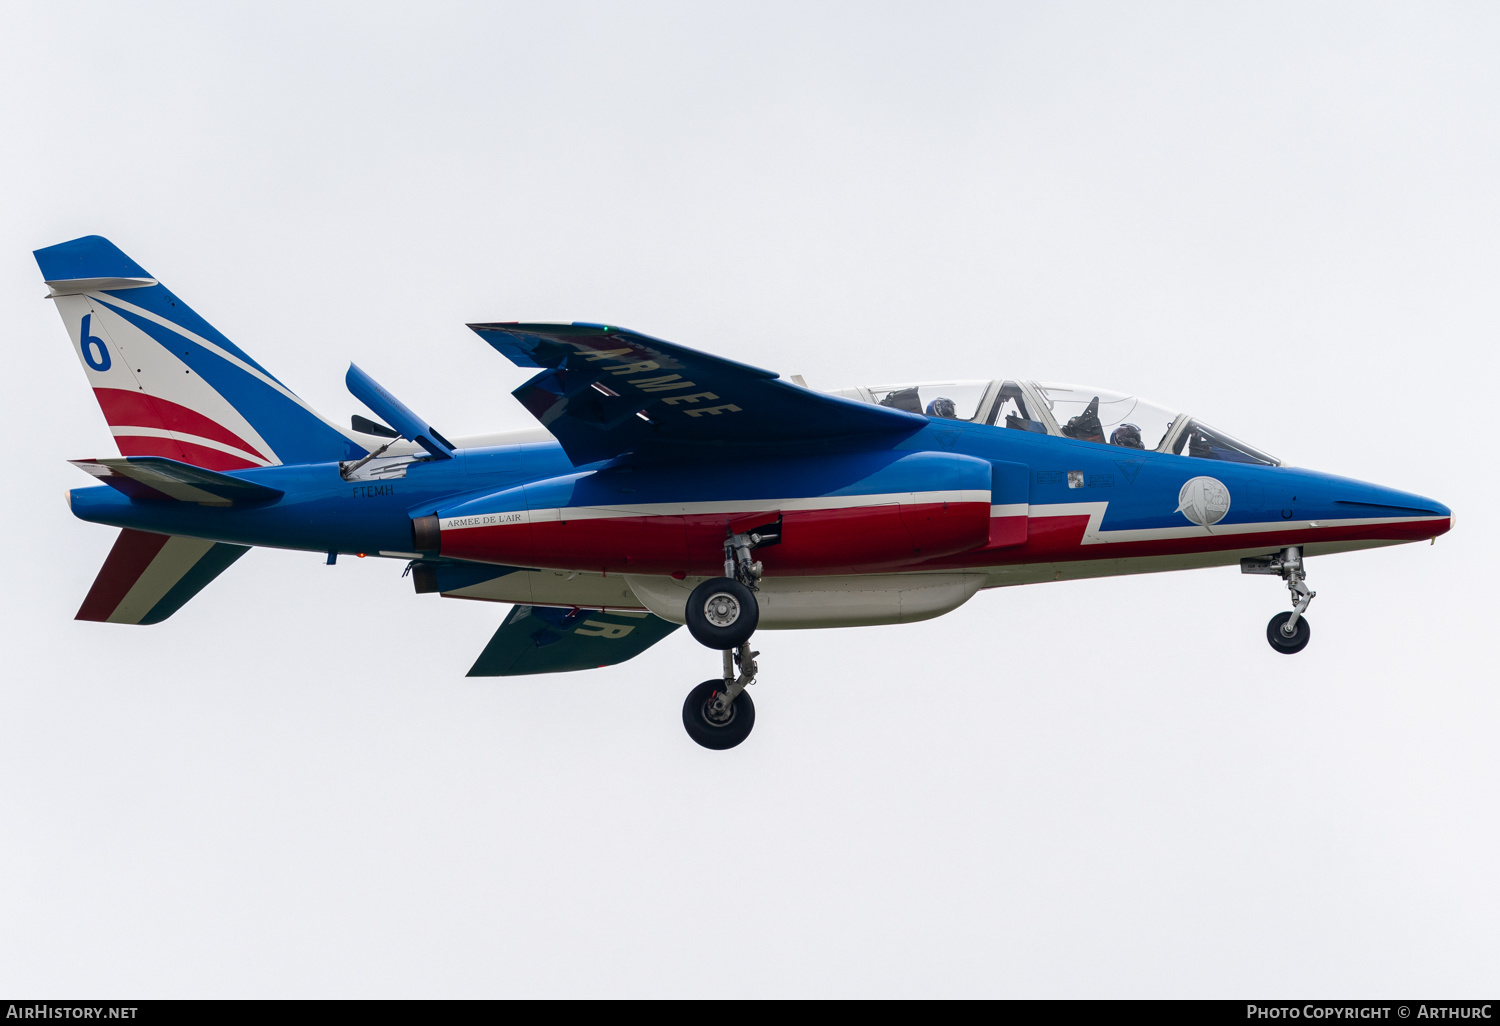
<point>1288,642</point>
<point>1288,633</point>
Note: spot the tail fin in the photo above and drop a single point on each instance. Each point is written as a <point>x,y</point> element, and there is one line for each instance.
<point>169,384</point>
<point>148,577</point>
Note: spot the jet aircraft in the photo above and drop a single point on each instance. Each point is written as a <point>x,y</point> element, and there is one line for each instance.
<point>668,486</point>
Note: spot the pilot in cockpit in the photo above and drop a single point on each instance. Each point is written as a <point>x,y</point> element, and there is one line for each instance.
<point>943,407</point>
<point>1127,435</point>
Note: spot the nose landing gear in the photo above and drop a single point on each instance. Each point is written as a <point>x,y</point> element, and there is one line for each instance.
<point>1288,633</point>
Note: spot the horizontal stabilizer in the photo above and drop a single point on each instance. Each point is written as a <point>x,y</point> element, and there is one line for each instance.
<point>156,477</point>
<point>148,577</point>
<point>538,639</point>
<point>83,286</point>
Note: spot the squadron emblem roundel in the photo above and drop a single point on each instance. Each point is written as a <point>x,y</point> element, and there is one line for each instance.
<point>1203,500</point>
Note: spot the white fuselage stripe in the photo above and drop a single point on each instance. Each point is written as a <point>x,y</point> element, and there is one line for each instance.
<point>1092,534</point>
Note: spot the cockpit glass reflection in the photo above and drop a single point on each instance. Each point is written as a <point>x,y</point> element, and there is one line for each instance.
<point>1011,410</point>
<point>1206,443</point>
<point>1073,411</point>
<point>949,400</point>
<point>1097,415</point>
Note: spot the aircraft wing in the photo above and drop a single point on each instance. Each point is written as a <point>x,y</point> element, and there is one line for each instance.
<point>539,639</point>
<point>605,391</point>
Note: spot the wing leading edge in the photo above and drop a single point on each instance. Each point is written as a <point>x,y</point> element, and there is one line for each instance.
<point>605,391</point>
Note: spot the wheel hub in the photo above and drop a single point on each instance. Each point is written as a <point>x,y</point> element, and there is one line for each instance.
<point>721,610</point>
<point>712,715</point>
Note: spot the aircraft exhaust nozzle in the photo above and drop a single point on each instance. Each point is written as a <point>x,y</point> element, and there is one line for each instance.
<point>425,534</point>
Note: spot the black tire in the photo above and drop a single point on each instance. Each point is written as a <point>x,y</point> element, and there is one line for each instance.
<point>1299,638</point>
<point>722,613</point>
<point>708,733</point>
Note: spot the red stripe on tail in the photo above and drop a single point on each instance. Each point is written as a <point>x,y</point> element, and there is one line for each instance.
<point>187,452</point>
<point>133,553</point>
<point>136,409</point>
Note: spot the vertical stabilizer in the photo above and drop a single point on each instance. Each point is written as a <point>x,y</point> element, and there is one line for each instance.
<point>168,382</point>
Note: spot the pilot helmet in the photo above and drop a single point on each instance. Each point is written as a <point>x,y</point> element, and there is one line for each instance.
<point>1127,435</point>
<point>942,406</point>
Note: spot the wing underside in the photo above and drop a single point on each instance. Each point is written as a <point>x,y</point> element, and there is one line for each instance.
<point>536,639</point>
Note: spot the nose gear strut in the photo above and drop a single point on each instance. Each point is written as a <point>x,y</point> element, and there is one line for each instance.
<point>1287,633</point>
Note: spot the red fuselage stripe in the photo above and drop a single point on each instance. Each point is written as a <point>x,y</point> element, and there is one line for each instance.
<point>860,540</point>
<point>822,541</point>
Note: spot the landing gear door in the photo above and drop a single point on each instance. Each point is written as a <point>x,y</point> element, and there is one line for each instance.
<point>1010,503</point>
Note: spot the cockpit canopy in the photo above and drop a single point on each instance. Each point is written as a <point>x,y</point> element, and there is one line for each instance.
<point>952,400</point>
<point>1070,411</point>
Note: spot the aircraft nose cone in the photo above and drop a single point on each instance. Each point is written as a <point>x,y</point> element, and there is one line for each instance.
<point>1446,512</point>
<point>1377,501</point>
<point>1442,526</point>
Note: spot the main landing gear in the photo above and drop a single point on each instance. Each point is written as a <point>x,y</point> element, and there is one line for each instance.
<point>722,613</point>
<point>718,714</point>
<point>1290,632</point>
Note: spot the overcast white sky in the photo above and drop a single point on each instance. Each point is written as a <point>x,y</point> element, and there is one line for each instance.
<point>1283,218</point>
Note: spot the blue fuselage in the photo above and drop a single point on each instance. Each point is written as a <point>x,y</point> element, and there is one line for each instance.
<point>321,511</point>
